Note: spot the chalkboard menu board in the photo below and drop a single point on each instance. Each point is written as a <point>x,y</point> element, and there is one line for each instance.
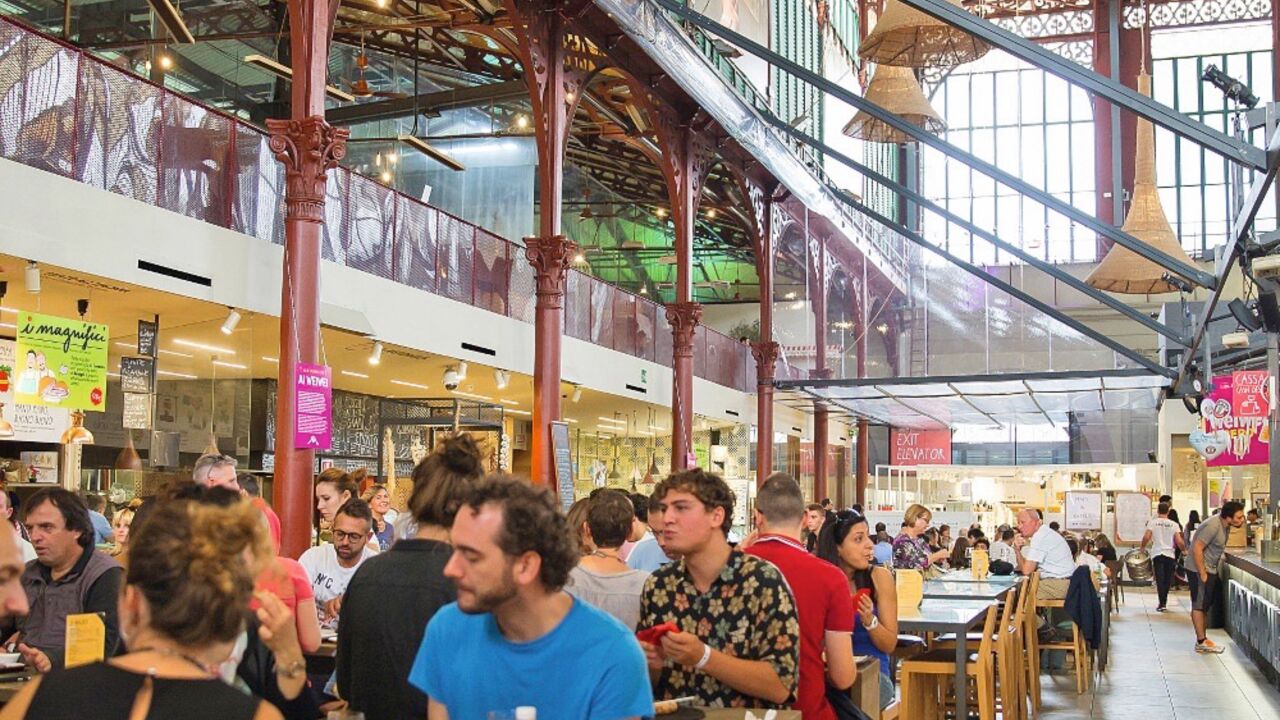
<point>355,425</point>
<point>147,334</point>
<point>564,463</point>
<point>136,411</point>
<point>135,374</point>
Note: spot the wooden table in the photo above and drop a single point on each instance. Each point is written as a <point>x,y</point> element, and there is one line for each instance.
<point>738,714</point>
<point>955,590</point>
<point>966,576</point>
<point>12,683</point>
<point>948,616</point>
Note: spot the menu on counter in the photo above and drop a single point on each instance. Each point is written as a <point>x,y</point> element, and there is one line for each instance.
<point>910,588</point>
<point>86,639</point>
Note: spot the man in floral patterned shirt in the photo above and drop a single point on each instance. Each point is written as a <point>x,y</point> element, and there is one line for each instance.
<point>738,643</point>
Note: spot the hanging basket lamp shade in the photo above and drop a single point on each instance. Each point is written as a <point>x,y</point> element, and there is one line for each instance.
<point>1123,270</point>
<point>907,37</point>
<point>895,89</point>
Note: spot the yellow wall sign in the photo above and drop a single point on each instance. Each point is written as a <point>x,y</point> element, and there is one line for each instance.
<point>86,639</point>
<point>60,362</point>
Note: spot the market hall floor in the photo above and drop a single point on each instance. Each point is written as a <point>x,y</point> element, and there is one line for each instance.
<point>1155,673</point>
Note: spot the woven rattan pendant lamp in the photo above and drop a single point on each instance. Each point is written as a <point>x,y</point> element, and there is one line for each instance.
<point>908,37</point>
<point>895,89</point>
<point>1123,270</point>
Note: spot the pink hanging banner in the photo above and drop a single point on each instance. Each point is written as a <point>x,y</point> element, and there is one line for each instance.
<point>1250,393</point>
<point>313,398</point>
<point>1228,439</point>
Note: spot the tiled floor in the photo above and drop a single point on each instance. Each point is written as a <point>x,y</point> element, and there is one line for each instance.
<point>1155,674</point>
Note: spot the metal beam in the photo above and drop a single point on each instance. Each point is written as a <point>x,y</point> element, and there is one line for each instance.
<point>1114,92</point>
<point>1045,267</point>
<point>1121,237</point>
<point>950,379</point>
<point>1010,289</point>
<point>429,102</point>
<point>1241,226</point>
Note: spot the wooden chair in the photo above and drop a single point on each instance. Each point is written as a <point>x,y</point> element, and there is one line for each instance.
<point>1009,653</point>
<point>924,677</point>
<point>1116,589</point>
<point>1031,644</point>
<point>891,712</point>
<point>1076,646</point>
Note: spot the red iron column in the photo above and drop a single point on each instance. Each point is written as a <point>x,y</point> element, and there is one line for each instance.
<point>686,156</point>
<point>554,93</point>
<point>308,147</point>
<point>818,247</point>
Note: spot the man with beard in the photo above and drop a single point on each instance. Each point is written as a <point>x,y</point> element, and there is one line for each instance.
<point>490,651</point>
<point>331,566</point>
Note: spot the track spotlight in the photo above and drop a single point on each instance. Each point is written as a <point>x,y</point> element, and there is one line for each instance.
<point>501,378</point>
<point>375,357</point>
<point>32,275</point>
<point>229,325</point>
<point>462,371</point>
<point>577,394</point>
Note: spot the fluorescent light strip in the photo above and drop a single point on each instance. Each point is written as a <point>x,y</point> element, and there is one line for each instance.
<point>176,374</point>
<point>615,421</point>
<point>265,63</point>
<point>571,420</point>
<point>233,366</point>
<point>656,428</point>
<point>473,396</point>
<point>510,402</point>
<point>645,433</point>
<point>113,374</point>
<point>270,359</point>
<point>518,412</point>
<point>349,373</point>
<point>9,325</point>
<point>7,309</point>
<point>131,346</point>
<point>179,354</point>
<point>202,346</point>
<point>409,384</point>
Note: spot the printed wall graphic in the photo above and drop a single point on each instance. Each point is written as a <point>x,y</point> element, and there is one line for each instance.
<point>31,423</point>
<point>61,362</point>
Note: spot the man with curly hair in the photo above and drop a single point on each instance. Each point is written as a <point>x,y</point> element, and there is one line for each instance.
<point>514,628</point>
<point>738,642</point>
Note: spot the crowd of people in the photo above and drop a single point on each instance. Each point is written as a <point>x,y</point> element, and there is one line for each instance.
<point>458,606</point>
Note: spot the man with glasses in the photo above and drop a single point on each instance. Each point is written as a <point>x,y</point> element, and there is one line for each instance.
<point>331,566</point>
<point>216,471</point>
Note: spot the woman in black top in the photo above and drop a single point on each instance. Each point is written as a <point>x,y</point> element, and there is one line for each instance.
<point>190,575</point>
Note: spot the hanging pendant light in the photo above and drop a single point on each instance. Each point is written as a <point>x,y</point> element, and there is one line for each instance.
<point>1123,270</point>
<point>77,434</point>
<point>895,89</point>
<point>128,459</point>
<point>908,37</point>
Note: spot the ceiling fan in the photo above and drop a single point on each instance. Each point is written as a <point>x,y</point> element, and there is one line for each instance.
<point>360,86</point>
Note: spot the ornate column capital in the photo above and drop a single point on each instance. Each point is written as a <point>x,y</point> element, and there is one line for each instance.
<point>550,258</point>
<point>684,319</point>
<point>766,355</point>
<point>308,148</point>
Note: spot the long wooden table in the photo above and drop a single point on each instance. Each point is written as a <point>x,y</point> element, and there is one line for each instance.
<point>948,616</point>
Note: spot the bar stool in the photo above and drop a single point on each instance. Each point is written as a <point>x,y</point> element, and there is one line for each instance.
<point>1076,646</point>
<point>1009,651</point>
<point>1031,644</point>
<point>924,676</point>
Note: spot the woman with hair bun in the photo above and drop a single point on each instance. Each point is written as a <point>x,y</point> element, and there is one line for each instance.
<point>390,601</point>
<point>182,607</point>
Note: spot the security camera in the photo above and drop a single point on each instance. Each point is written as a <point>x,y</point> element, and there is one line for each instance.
<point>451,378</point>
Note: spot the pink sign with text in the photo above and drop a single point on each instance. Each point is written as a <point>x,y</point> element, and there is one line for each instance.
<point>313,398</point>
<point>1228,438</point>
<point>921,447</point>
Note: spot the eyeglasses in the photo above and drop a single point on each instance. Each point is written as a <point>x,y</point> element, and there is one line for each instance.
<point>348,537</point>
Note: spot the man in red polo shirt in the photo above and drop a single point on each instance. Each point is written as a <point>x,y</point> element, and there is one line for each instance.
<point>823,602</point>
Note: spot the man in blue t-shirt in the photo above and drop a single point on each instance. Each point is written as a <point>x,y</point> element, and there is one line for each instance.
<point>514,638</point>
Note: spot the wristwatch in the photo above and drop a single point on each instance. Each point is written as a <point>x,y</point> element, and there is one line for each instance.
<point>875,623</point>
<point>293,670</point>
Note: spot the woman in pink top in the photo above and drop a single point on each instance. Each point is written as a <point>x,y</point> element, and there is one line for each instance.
<point>286,579</point>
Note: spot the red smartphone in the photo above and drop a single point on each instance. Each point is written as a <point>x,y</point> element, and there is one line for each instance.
<point>653,635</point>
<point>857,597</point>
